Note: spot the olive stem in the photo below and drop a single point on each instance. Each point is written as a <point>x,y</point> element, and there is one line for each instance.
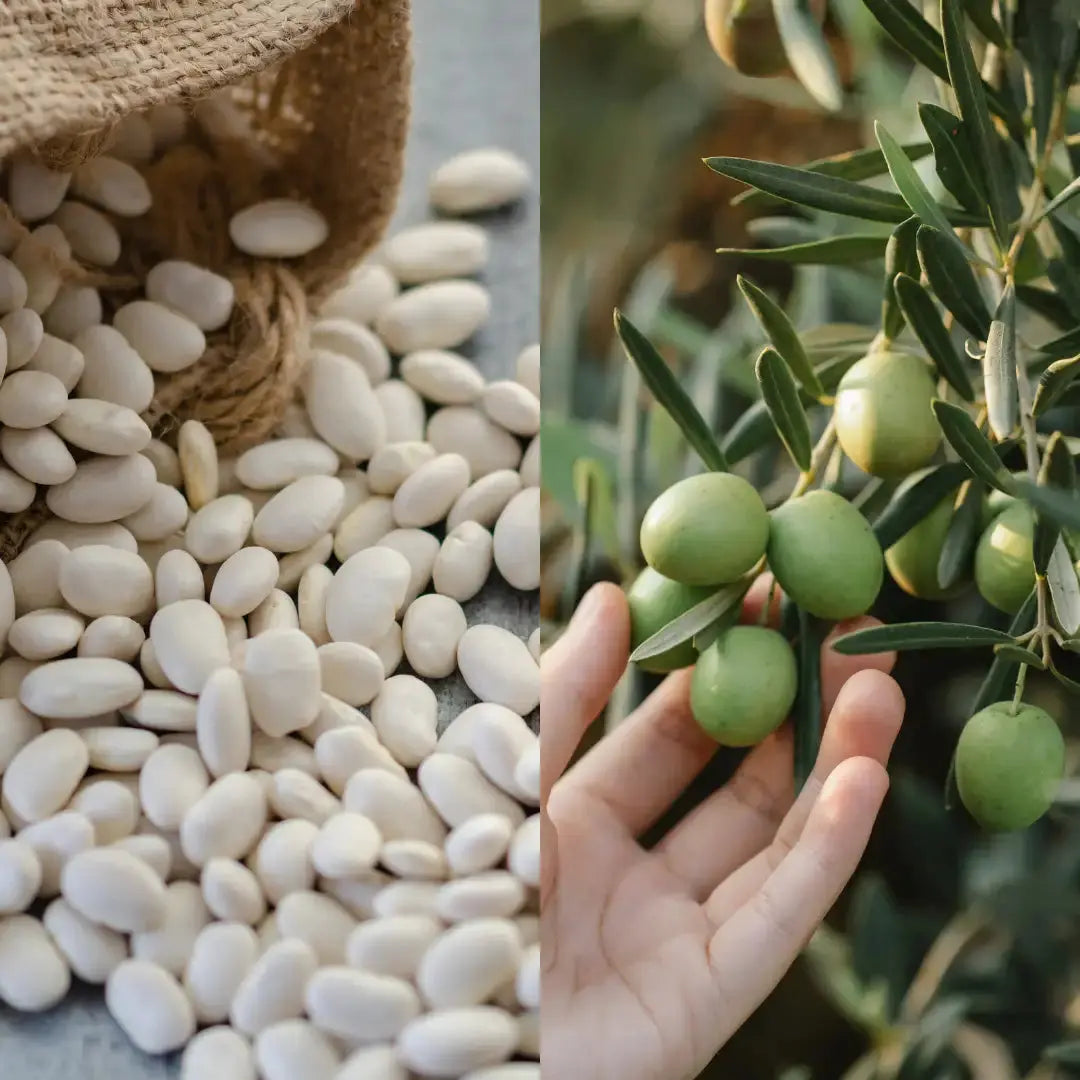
<point>817,460</point>
<point>1021,678</point>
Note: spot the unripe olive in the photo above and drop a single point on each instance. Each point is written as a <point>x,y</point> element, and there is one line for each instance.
<point>744,35</point>
<point>996,502</point>
<point>1008,767</point>
<point>913,559</point>
<point>825,556</point>
<point>1004,570</point>
<point>654,601</point>
<point>744,685</point>
<point>706,530</point>
<point>884,421</point>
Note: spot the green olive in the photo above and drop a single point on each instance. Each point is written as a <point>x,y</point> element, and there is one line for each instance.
<point>744,685</point>
<point>706,530</point>
<point>654,601</point>
<point>913,559</point>
<point>884,421</point>
<point>825,556</point>
<point>743,34</point>
<point>1008,767</point>
<point>996,502</point>
<point>1004,570</point>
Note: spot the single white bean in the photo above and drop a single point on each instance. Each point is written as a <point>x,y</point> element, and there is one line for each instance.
<point>150,1006</point>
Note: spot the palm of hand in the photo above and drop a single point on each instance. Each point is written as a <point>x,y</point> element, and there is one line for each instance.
<point>652,959</point>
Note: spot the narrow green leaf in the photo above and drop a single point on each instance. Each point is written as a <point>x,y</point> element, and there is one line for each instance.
<point>830,193</point>
<point>782,334</point>
<point>908,182</point>
<point>925,320</point>
<point>999,368</point>
<point>900,258</point>
<point>1070,684</point>
<point>981,13</point>
<point>781,397</point>
<point>952,792</point>
<point>952,157</point>
<point>918,635</point>
<point>1047,304</point>
<point>666,389</point>
<point>911,504</point>
<point>851,165</point>
<point>832,251</point>
<point>901,20</point>
<point>1064,588</point>
<point>1063,261</point>
<point>958,548</point>
<point>1061,347</point>
<point>1057,471</point>
<point>997,684</point>
<point>973,447</point>
<point>807,715</point>
<point>953,281</point>
<point>1070,191</point>
<point>1055,380</point>
<point>1019,655</point>
<point>971,99</point>
<point>1057,504</point>
<point>691,623</point>
<point>1064,1053</point>
<point>807,52</point>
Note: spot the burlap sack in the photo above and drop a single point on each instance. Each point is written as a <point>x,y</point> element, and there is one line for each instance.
<point>324,87</point>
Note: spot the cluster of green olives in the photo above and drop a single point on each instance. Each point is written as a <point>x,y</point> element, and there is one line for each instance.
<point>713,529</point>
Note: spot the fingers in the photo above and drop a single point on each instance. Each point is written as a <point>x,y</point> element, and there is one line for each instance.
<point>577,676</point>
<point>752,950</point>
<point>864,723</point>
<point>732,826</point>
<point>836,668</point>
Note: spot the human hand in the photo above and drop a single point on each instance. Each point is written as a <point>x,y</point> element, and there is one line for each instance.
<point>652,959</point>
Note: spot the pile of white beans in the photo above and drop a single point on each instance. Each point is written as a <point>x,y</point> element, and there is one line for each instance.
<point>221,800</point>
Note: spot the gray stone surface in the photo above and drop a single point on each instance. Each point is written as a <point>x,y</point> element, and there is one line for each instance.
<point>476,83</point>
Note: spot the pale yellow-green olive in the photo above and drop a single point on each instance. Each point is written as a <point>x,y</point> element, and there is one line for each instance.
<point>744,685</point>
<point>1009,766</point>
<point>884,419</point>
<point>825,556</point>
<point>1004,570</point>
<point>706,530</point>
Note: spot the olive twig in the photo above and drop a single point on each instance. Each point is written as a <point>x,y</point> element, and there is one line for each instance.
<point>817,459</point>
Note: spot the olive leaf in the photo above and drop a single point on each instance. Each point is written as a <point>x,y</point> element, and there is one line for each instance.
<point>971,100</point>
<point>1064,1053</point>
<point>911,504</point>
<point>1057,471</point>
<point>918,635</point>
<point>952,158</point>
<point>953,281</point>
<point>820,192</point>
<point>900,258</point>
<point>1070,191</point>
<point>1002,673</point>
<point>908,182</point>
<point>1047,304</point>
<point>1055,380</point>
<point>1061,347</point>
<point>1059,505</point>
<point>1070,684</point>
<point>1064,588</point>
<point>923,317</point>
<point>832,251</point>
<point>973,447</point>
<point>807,52</point>
<point>999,368</point>
<point>781,397</point>
<point>962,536</point>
<point>901,20</point>
<point>981,13</point>
<point>782,335</point>
<point>807,713</point>
<point>1018,654</point>
<point>850,165</point>
<point>660,379</point>
<point>692,622</point>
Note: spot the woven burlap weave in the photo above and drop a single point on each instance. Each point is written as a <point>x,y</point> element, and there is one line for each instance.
<point>322,88</point>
